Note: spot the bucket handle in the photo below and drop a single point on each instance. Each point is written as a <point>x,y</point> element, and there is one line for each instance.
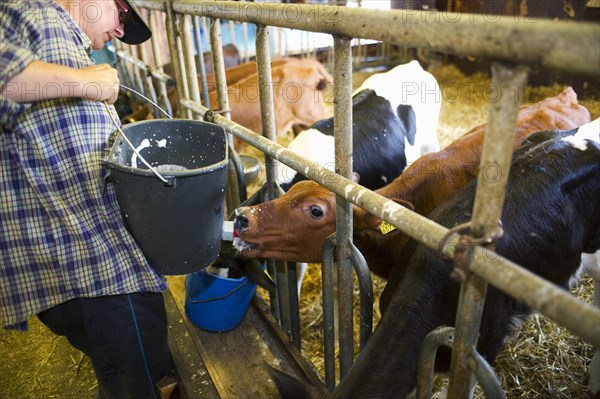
<point>161,177</point>
<point>195,301</point>
<point>145,98</point>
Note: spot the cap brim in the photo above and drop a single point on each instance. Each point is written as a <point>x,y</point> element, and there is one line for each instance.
<point>136,30</point>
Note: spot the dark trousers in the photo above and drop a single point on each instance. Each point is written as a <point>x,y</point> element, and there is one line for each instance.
<point>125,337</point>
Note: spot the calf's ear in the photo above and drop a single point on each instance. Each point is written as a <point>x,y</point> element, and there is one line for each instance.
<point>408,119</point>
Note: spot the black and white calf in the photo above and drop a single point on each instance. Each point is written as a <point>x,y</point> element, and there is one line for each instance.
<point>395,118</point>
<point>551,216</point>
<point>410,84</point>
<point>379,133</point>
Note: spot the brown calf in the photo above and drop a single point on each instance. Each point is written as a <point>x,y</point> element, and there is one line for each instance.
<point>297,96</point>
<point>298,86</point>
<point>294,226</point>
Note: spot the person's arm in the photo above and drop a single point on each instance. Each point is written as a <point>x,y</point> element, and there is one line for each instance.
<point>44,81</point>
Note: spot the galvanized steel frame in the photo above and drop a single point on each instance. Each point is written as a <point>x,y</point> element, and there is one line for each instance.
<point>558,45</point>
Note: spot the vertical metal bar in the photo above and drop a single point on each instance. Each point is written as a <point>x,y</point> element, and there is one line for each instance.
<point>122,65</point>
<point>246,54</point>
<point>280,303</point>
<point>263,65</point>
<point>219,68</point>
<point>283,296</point>
<point>494,168</point>
<point>232,195</point>
<point>137,74</point>
<point>200,58</point>
<point>205,29</point>
<point>190,62</point>
<point>427,354</point>
<point>232,32</point>
<point>147,79</point>
<point>172,38</point>
<point>289,309</point>
<point>328,310</point>
<point>294,307</point>
<point>343,165</point>
<point>488,381</point>
<point>274,297</point>
<point>366,295</point>
<point>163,99</point>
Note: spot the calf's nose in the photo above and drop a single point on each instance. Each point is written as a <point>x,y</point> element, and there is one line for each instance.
<point>241,222</point>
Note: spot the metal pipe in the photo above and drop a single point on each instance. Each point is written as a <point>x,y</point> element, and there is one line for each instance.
<point>219,67</point>
<point>294,305</point>
<point>342,129</point>
<point>172,39</point>
<point>267,113</point>
<point>200,58</point>
<point>366,294</point>
<point>245,37</point>
<point>148,84</point>
<point>487,210</point>
<point>156,73</point>
<point>232,195</point>
<point>438,337</point>
<point>189,59</point>
<point>328,310</point>
<point>485,376</point>
<point>163,97</point>
<point>137,75</point>
<point>289,293</point>
<point>561,45</point>
<point>283,295</point>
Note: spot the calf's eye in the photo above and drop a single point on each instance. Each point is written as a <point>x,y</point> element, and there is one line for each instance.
<point>315,211</point>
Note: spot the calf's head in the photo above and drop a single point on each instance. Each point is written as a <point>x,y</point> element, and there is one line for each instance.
<point>294,226</point>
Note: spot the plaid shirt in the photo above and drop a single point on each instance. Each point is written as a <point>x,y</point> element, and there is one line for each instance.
<point>61,231</point>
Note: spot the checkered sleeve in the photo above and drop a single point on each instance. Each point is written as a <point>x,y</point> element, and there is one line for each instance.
<point>14,58</point>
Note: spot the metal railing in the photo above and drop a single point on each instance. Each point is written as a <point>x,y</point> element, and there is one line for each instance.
<point>556,45</point>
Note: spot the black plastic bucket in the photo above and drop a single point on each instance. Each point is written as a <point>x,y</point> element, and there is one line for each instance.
<point>178,224</point>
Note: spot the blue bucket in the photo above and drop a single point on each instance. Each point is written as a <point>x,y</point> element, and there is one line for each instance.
<point>216,303</point>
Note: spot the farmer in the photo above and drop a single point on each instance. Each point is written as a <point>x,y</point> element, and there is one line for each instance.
<point>65,254</point>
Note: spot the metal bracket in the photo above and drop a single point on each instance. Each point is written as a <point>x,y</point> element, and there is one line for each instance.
<point>463,251</point>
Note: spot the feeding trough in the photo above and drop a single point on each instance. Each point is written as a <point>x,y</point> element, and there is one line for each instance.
<point>174,212</point>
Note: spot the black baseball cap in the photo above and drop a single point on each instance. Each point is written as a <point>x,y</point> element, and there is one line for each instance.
<point>136,30</point>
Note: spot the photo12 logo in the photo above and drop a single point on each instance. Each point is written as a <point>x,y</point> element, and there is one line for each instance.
<point>267,12</point>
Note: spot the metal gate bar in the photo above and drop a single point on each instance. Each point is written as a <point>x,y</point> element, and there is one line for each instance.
<point>342,129</point>
<point>557,43</point>
<point>487,210</point>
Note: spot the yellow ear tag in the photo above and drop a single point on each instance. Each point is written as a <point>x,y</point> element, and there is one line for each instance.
<point>386,227</point>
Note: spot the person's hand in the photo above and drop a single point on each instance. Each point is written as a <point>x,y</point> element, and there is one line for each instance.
<point>99,83</point>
